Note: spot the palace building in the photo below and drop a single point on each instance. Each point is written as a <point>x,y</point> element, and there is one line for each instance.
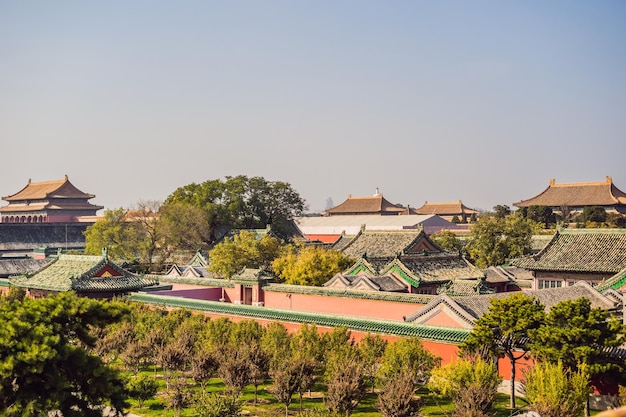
<point>577,196</point>
<point>48,202</point>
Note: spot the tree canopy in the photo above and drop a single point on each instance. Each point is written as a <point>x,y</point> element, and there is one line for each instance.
<point>503,330</point>
<point>44,364</point>
<point>240,202</point>
<point>493,240</point>
<point>575,333</point>
<point>244,250</point>
<point>310,265</point>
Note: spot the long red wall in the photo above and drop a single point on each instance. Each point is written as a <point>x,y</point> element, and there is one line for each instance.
<point>389,310</point>
<point>447,352</point>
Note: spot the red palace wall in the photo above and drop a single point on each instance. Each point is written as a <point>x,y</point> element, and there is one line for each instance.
<point>447,352</point>
<point>340,305</point>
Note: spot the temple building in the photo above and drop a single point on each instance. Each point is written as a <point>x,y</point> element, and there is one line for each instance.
<point>89,276</point>
<point>449,211</point>
<point>408,261</point>
<point>595,256</point>
<point>48,202</point>
<point>577,196</point>
<point>375,204</point>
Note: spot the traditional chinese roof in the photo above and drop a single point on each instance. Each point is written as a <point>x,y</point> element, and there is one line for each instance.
<point>365,282</point>
<point>465,287</point>
<point>441,267</point>
<point>580,194</point>
<point>53,195</point>
<point>20,266</point>
<point>389,244</point>
<point>580,250</point>
<point>616,282</point>
<point>471,308</point>
<point>82,273</point>
<point>375,204</point>
<point>456,208</point>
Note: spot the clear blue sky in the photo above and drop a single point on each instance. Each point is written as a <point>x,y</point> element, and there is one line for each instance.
<point>483,101</point>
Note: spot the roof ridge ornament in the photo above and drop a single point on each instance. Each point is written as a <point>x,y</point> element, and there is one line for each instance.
<point>105,254</point>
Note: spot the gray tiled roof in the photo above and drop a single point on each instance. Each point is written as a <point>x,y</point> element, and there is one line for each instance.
<point>77,273</point>
<point>581,250</point>
<point>20,266</point>
<point>381,244</point>
<point>473,307</point>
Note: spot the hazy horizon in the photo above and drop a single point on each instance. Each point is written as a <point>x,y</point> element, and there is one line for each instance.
<point>483,101</point>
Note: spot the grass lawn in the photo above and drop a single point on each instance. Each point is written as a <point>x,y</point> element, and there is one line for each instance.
<point>267,406</point>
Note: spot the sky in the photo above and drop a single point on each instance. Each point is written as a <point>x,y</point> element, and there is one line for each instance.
<point>479,101</point>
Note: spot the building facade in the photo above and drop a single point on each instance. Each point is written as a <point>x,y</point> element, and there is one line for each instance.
<point>48,202</point>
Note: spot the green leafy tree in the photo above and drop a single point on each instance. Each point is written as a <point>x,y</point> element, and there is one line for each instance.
<point>372,348</point>
<point>142,387</point>
<point>240,202</point>
<point>539,214</point>
<point>501,211</point>
<point>555,391</point>
<point>310,265</point>
<point>214,405</point>
<point>494,240</point>
<point>471,383</point>
<point>405,367</point>
<point>595,214</point>
<point>113,232</point>
<point>243,251</point>
<point>132,235</point>
<point>185,227</point>
<point>44,361</point>
<point>503,331</point>
<point>447,240</point>
<point>575,333</point>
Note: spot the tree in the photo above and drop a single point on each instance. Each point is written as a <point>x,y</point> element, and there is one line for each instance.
<point>372,348</point>
<point>594,214</point>
<point>503,331</point>
<point>243,251</point>
<point>493,240</point>
<point>573,333</point>
<point>113,232</point>
<point>214,405</point>
<point>471,383</point>
<point>310,265</point>
<point>407,361</point>
<point>240,202</point>
<point>134,235</point>
<point>346,383</point>
<point>397,398</point>
<point>447,240</point>
<point>285,381</point>
<point>152,251</point>
<point>555,391</point>
<point>44,361</point>
<point>540,214</point>
<point>308,350</point>
<point>185,227</point>
<point>142,387</point>
<point>500,211</point>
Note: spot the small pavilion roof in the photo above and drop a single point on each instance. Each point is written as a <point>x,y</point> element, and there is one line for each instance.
<point>580,250</point>
<point>446,209</point>
<point>375,204</point>
<point>603,193</point>
<point>82,273</point>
